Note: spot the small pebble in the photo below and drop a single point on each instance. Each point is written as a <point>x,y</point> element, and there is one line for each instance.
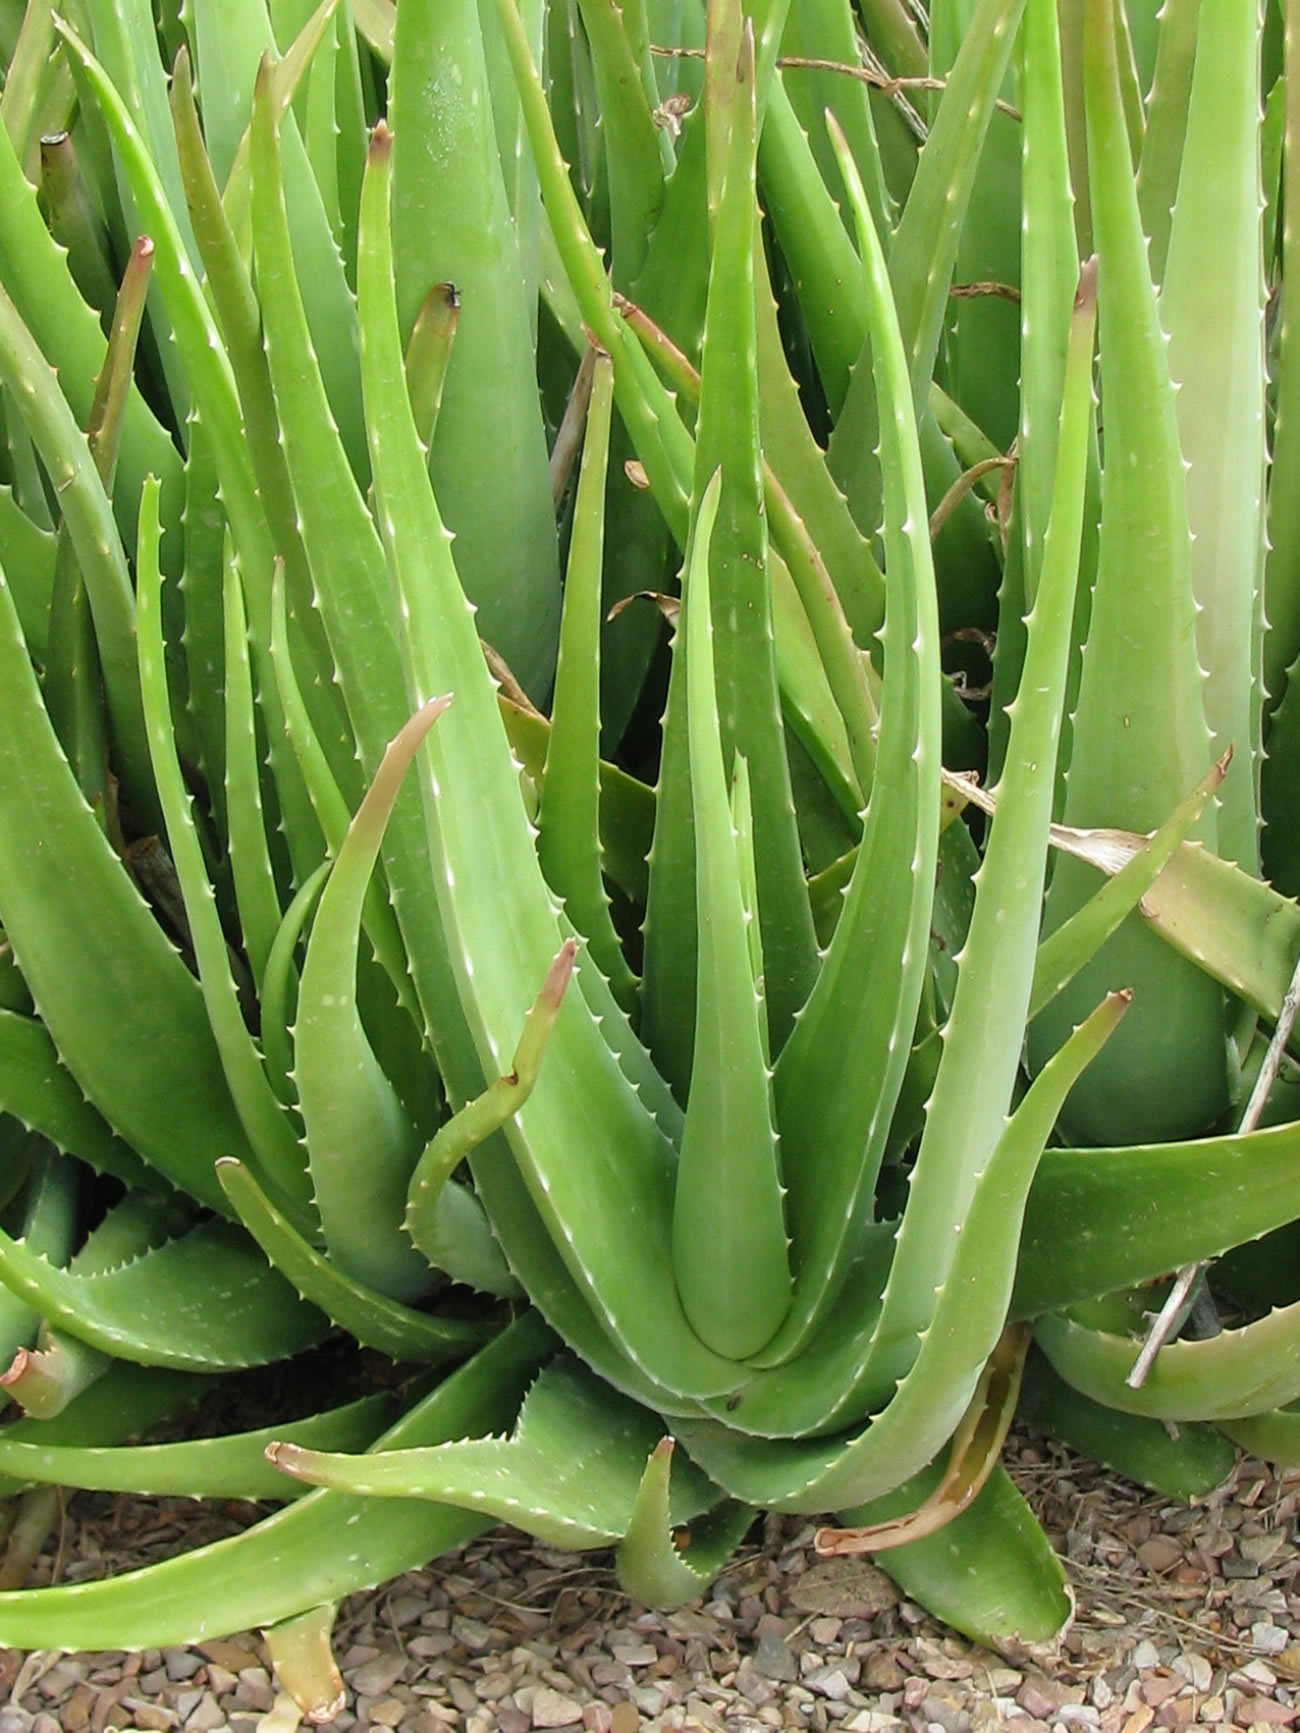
<point>1195,1668</point>
<point>1272,1639</point>
<point>774,1658</point>
<point>375,1678</point>
<point>829,1682</point>
<point>472,1634</point>
<point>181,1664</point>
<point>881,1672</point>
<point>635,1654</point>
<point>207,1715</point>
<point>551,1709</point>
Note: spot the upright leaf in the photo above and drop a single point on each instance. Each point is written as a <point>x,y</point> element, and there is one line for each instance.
<point>1140,739</point>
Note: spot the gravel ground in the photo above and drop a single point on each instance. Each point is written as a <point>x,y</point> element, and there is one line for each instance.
<point>1186,1618</point>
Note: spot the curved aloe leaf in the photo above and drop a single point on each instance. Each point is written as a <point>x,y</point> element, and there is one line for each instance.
<point>348,1104</point>
<point>1140,738</point>
<point>45,1211</point>
<point>251,868</point>
<point>232,1466</point>
<point>1184,1461</point>
<point>729,1238</point>
<point>662,1566</point>
<point>373,1318</point>
<point>1063,953</point>
<point>924,247</point>
<point>262,1115</point>
<point>1103,1219</point>
<point>40,1092</point>
<point>1048,277</point>
<point>972,1457</point>
<point>1273,1437</point>
<point>204,1302</point>
<point>34,389</point>
<point>981,1052</point>
<point>634,147</point>
<point>451,220</point>
<point>568,843</point>
<point>980,330</point>
<point>833,1136</point>
<point>588,1156</point>
<point>321,1548</point>
<point>747,694</point>
<point>1219,395</point>
<point>1162,144</point>
<point>991,1573</point>
<point>1232,926</point>
<point>230,40</point>
<point>72,682</point>
<point>478,1119</point>
<point>922,1391</point>
<point>36,275</point>
<point>82,919</point>
<point>351,587</point>
<point>27,553</point>
<point>569,1473</point>
<point>1243,1371</point>
<point>212,386</point>
<point>828,1385</point>
<point>44,1380</point>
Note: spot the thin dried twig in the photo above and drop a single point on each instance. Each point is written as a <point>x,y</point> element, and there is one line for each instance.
<point>1171,1315</point>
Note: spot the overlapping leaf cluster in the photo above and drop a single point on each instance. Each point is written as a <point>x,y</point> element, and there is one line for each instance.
<point>403,948</point>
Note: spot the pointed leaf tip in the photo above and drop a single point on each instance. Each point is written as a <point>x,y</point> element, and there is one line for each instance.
<point>381,142</point>
<point>559,974</point>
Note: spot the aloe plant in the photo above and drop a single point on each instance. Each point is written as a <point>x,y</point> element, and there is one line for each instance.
<point>398,949</point>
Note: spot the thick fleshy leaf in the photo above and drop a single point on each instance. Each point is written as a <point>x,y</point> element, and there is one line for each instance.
<point>569,1473</point>
<point>80,918</point>
<point>452,222</point>
<point>1140,739</point>
<point>372,1317</point>
<point>204,1302</point>
<point>1219,399</point>
<point>348,1104</point>
<point>588,1152</point>
<point>729,1237</point>
<point>321,1548</point>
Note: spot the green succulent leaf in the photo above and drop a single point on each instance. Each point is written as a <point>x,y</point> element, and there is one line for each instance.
<point>204,1302</point>
<point>660,1565</point>
<point>569,844</point>
<point>372,1317</point>
<point>990,1573</point>
<point>347,1102</point>
<point>262,1115</point>
<point>586,1155</point>
<point>1140,740</point>
<point>233,1466</point>
<point>1099,1220</point>
<point>569,1473</point>
<point>1240,1372</point>
<point>1184,1461</point>
<point>322,1547</point>
<point>72,915</point>
<point>729,1237</point>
